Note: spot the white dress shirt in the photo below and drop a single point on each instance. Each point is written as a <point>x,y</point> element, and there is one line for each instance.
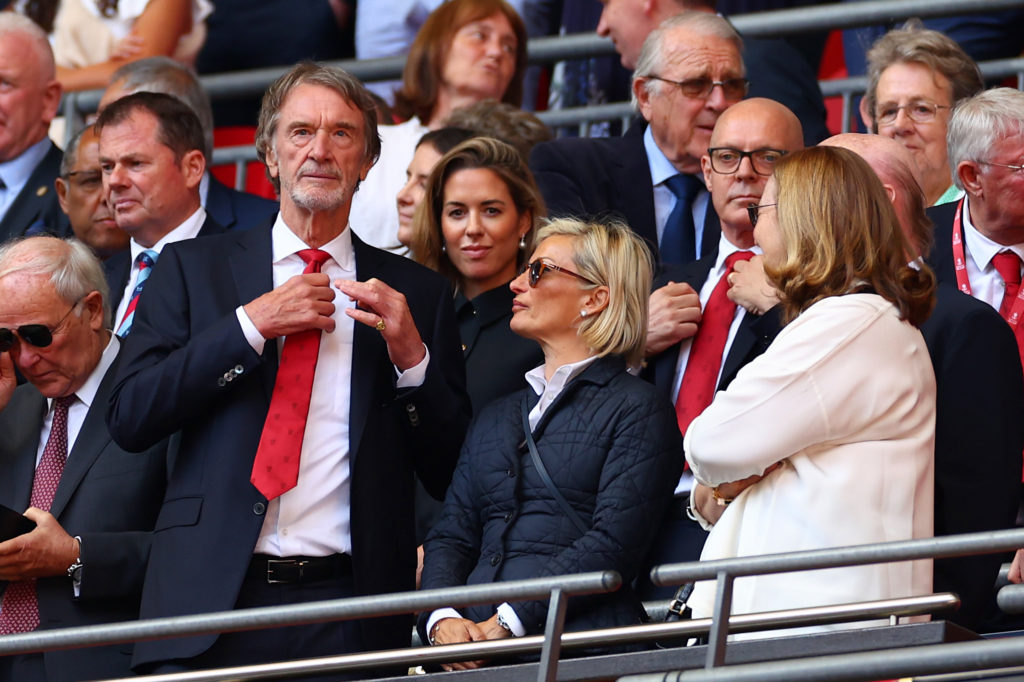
<point>16,172</point>
<point>664,200</point>
<point>313,518</point>
<point>548,390</point>
<point>986,283</point>
<point>187,230</point>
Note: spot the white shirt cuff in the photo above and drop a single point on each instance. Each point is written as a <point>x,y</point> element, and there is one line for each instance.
<point>508,614</point>
<point>414,376</point>
<point>440,614</point>
<point>252,335</point>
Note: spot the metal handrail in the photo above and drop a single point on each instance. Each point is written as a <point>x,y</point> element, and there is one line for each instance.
<point>651,632</point>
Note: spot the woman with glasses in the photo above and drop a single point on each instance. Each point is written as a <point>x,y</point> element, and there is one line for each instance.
<point>573,473</point>
<point>915,78</point>
<point>827,439</point>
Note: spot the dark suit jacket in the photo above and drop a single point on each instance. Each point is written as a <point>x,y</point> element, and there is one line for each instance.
<point>186,337</point>
<point>234,210</point>
<point>108,497</point>
<point>118,267</point>
<point>755,333</point>
<point>979,437</point>
<point>606,177</point>
<point>941,257</point>
<point>36,208</point>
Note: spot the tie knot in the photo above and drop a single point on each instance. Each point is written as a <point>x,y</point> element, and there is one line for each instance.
<point>1007,264</point>
<point>146,259</point>
<point>62,403</point>
<point>684,187</point>
<point>314,259</point>
<point>731,259</point>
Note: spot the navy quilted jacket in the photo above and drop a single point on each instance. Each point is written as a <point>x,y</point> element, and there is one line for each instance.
<point>612,446</point>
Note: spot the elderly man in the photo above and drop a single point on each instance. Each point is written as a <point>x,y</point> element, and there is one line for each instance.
<point>81,197</point>
<point>265,506</point>
<point>689,72</point>
<point>94,505</point>
<point>698,353</point>
<point>151,153</point>
<point>29,162</point>
<point>775,68</point>
<point>229,208</point>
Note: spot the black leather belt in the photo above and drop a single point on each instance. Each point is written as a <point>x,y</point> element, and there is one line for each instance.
<point>298,569</point>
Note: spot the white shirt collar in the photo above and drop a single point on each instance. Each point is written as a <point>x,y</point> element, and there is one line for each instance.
<point>286,243</point>
<point>87,391</point>
<point>16,172</point>
<point>980,248</point>
<point>562,376</point>
<point>187,230</point>
<point>661,168</point>
<point>725,249</point>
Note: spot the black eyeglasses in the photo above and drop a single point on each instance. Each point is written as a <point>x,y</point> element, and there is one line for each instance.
<point>727,160</point>
<point>919,111</point>
<point>700,88</point>
<point>538,267</point>
<point>753,210</point>
<point>87,180</point>
<point>38,335</point>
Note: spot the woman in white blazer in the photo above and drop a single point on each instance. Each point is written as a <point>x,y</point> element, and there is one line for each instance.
<point>827,439</point>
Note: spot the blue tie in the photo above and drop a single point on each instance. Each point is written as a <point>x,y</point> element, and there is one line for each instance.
<point>678,239</point>
<point>144,262</point>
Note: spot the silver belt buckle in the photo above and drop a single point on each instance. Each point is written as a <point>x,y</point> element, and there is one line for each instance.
<point>279,564</point>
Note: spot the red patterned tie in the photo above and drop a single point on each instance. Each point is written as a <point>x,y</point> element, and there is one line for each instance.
<point>20,610</point>
<point>276,468</point>
<point>705,361</point>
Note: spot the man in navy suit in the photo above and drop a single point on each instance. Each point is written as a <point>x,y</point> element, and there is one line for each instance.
<point>387,398</point>
<point>151,155</point>
<point>29,162</point>
<point>84,562</point>
<point>231,209</point>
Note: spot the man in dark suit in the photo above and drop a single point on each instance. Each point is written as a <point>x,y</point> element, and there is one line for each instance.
<point>776,69</point>
<point>29,162</point>
<point>386,397</point>
<point>94,505</point>
<point>231,209</point>
<point>151,154</point>
<point>748,138</point>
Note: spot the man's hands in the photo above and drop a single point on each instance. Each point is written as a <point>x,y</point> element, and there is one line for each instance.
<point>460,630</point>
<point>1016,568</point>
<point>301,303</point>
<point>46,551</point>
<point>8,380</point>
<point>674,315</point>
<point>749,287</point>
<point>377,302</point>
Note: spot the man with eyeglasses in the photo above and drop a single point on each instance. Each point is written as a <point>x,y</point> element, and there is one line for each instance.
<point>80,193</point>
<point>697,357</point>
<point>689,72</point>
<point>93,504</point>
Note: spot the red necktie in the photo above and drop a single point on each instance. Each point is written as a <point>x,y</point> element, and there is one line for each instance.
<point>705,361</point>
<point>1007,264</point>
<point>276,468</point>
<point>20,610</point>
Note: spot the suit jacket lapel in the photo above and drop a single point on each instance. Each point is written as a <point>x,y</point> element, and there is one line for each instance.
<point>252,270</point>
<point>634,181</point>
<point>27,206</point>
<point>367,348</point>
<point>25,419</point>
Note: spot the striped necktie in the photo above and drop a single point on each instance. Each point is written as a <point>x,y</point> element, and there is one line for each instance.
<point>144,262</point>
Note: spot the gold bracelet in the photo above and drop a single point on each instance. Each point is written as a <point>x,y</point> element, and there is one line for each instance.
<point>719,498</point>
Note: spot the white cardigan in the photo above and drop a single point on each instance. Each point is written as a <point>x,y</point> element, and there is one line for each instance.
<point>845,398</point>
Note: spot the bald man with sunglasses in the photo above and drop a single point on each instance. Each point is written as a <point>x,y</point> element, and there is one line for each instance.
<point>93,504</point>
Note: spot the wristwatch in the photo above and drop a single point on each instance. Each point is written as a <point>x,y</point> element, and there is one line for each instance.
<point>504,623</point>
<point>75,569</point>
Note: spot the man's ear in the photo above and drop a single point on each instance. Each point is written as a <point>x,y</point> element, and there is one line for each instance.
<point>866,116</point>
<point>193,165</point>
<point>61,186</point>
<point>643,97</point>
<point>968,173</point>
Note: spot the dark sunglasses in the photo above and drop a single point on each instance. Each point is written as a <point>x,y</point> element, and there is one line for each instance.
<point>538,267</point>
<point>753,210</point>
<point>38,335</point>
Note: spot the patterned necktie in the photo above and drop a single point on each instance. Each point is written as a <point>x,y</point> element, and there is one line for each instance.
<point>144,262</point>
<point>276,467</point>
<point>702,367</point>
<point>679,239</point>
<point>20,610</point>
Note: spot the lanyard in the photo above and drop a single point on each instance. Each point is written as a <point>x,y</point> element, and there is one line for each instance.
<point>960,265</point>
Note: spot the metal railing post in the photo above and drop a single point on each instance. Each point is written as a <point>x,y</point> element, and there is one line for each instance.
<point>548,670</point>
<point>720,621</point>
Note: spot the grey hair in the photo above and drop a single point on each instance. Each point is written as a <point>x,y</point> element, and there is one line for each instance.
<point>651,61</point>
<point>12,22</point>
<point>169,77</point>
<point>979,122</point>
<point>73,269</point>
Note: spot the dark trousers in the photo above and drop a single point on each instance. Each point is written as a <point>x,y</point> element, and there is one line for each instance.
<point>679,539</point>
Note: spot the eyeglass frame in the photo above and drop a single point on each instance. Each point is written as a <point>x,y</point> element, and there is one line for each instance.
<point>26,330</point>
<point>754,209</point>
<point>906,107</point>
<point>537,268</point>
<point>749,155</point>
<point>709,88</point>
<point>1002,165</point>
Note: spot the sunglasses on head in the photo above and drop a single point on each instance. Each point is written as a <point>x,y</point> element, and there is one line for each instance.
<point>37,335</point>
<point>538,267</point>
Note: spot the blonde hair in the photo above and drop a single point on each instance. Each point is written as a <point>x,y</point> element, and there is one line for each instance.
<point>841,235</point>
<point>614,256</point>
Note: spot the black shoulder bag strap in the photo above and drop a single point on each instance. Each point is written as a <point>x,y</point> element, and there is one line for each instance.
<point>573,515</point>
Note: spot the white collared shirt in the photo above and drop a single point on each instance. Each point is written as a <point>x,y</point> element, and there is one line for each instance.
<point>986,283</point>
<point>187,230</point>
<point>16,172</point>
<point>725,249</point>
<point>664,200</point>
<point>313,518</point>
